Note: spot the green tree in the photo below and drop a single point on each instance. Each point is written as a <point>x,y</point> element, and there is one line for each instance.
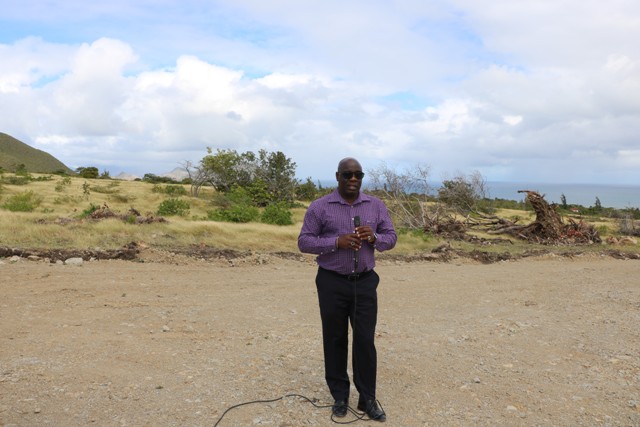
<point>278,172</point>
<point>598,205</point>
<point>268,177</point>
<point>154,179</point>
<point>563,201</point>
<point>307,191</point>
<point>88,172</point>
<point>226,168</point>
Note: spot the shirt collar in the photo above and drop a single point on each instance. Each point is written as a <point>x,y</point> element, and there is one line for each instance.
<point>335,197</point>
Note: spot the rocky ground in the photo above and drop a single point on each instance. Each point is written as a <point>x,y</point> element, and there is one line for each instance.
<point>167,339</point>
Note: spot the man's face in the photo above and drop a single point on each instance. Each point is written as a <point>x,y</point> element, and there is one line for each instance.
<point>349,187</point>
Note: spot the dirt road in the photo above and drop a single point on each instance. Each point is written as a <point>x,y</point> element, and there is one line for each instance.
<point>543,341</point>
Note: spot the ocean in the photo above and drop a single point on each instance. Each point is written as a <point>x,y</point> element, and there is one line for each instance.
<point>610,196</point>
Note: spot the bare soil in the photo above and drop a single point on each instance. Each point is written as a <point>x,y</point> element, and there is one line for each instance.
<point>176,340</point>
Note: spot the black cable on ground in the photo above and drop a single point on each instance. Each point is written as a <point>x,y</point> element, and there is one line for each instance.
<point>358,415</point>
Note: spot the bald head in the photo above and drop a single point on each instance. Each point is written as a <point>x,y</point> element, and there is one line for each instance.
<point>348,161</point>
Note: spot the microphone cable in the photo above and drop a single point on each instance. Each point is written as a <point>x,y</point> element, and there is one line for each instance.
<point>358,415</point>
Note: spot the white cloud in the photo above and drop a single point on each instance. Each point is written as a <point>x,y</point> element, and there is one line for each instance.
<point>519,91</point>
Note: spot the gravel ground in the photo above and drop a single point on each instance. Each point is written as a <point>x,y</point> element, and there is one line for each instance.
<point>174,341</point>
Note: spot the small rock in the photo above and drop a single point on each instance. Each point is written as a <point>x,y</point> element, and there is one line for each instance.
<point>14,259</point>
<point>74,261</point>
<point>165,328</point>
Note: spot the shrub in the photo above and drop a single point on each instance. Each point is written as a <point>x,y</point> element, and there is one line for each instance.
<point>149,177</point>
<point>63,184</point>
<point>307,191</point>
<point>171,190</point>
<point>85,190</point>
<point>17,180</point>
<point>175,190</point>
<point>277,213</point>
<point>258,191</point>
<point>91,209</point>
<point>23,202</point>
<point>236,213</point>
<point>104,189</point>
<point>174,207</point>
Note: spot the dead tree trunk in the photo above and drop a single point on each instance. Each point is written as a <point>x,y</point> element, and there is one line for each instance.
<point>548,224</point>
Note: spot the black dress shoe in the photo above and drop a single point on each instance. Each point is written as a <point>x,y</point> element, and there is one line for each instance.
<point>339,408</point>
<point>373,411</point>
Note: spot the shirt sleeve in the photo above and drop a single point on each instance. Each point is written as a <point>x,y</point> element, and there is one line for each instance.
<point>387,236</point>
<point>311,239</point>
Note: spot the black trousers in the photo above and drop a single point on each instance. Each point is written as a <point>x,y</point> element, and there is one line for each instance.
<point>343,301</point>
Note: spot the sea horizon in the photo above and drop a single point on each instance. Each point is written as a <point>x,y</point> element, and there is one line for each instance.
<point>618,196</point>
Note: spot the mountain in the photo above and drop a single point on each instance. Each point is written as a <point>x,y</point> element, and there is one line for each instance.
<point>124,176</point>
<point>14,153</point>
<point>178,174</point>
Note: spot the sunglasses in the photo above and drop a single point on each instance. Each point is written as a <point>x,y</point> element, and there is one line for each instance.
<point>349,175</point>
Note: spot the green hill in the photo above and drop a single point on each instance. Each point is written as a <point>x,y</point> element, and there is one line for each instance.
<point>14,153</point>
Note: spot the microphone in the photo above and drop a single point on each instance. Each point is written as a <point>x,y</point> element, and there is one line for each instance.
<point>356,256</point>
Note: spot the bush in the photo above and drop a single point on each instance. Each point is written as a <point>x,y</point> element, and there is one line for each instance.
<point>17,180</point>
<point>91,209</point>
<point>149,177</point>
<point>175,190</point>
<point>174,207</point>
<point>105,189</point>
<point>236,213</point>
<point>63,184</point>
<point>278,214</point>
<point>23,202</point>
<point>307,191</point>
<point>258,191</point>
<point>171,190</point>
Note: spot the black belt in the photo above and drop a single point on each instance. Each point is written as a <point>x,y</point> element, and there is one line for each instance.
<point>352,276</point>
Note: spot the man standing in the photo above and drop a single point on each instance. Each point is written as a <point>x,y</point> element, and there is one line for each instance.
<point>344,229</point>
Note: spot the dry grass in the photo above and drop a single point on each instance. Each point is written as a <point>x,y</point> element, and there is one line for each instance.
<point>57,222</point>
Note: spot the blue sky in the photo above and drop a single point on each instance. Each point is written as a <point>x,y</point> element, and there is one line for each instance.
<point>524,91</point>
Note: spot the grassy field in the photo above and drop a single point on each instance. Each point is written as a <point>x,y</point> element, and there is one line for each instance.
<point>59,203</point>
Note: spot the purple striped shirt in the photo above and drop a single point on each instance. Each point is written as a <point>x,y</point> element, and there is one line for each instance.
<point>330,216</point>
